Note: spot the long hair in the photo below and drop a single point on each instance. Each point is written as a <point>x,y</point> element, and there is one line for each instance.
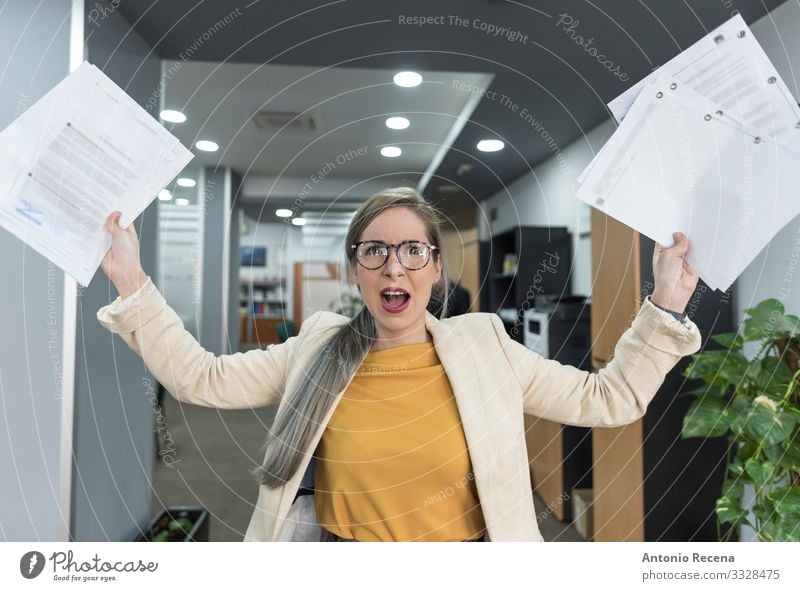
<point>305,407</point>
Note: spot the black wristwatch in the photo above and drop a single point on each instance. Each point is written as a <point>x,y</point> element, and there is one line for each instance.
<point>679,316</point>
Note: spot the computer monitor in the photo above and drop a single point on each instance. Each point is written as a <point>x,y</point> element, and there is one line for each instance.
<point>254,256</point>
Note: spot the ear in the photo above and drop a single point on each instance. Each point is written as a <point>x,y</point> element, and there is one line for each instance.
<point>437,275</point>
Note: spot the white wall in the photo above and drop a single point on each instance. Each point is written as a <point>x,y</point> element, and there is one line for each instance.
<point>218,330</point>
<point>33,372</point>
<point>115,410</point>
<point>179,260</point>
<point>773,273</point>
<point>546,197</point>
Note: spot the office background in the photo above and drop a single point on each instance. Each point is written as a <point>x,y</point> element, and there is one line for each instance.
<point>77,414</point>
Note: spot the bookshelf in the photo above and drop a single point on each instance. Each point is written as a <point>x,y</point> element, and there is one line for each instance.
<point>262,306</point>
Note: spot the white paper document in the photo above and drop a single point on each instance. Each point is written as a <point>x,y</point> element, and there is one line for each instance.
<point>679,163</point>
<point>83,150</point>
<point>729,67</point>
<point>708,145</point>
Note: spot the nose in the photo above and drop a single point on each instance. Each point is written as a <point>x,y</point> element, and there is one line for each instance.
<point>392,267</point>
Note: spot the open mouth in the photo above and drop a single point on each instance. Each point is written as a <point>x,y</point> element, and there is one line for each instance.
<point>394,299</point>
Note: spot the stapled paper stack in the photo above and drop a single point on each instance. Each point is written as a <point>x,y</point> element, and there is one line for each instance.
<point>708,145</point>
<point>83,150</point>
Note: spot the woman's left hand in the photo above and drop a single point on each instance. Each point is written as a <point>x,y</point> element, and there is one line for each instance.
<point>675,280</point>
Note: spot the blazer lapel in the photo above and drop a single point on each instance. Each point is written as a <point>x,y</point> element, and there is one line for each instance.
<point>459,360</point>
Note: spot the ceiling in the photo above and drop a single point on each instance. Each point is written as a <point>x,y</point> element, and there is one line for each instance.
<point>287,129</point>
<point>531,48</point>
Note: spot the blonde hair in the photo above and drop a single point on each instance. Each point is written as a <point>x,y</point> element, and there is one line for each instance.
<point>305,407</point>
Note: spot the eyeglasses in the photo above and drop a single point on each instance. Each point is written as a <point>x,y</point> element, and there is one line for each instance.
<point>412,254</point>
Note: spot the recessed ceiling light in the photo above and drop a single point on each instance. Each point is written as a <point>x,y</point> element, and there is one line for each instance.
<point>164,195</point>
<point>448,188</point>
<point>299,221</point>
<point>407,79</point>
<point>397,123</point>
<point>391,151</point>
<point>490,145</point>
<point>181,201</point>
<point>172,116</point>
<point>206,146</point>
<point>184,182</point>
<point>463,168</point>
<point>283,213</point>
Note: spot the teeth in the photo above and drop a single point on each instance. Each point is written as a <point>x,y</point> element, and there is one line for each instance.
<point>394,293</point>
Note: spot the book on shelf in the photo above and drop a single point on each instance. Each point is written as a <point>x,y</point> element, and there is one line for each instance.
<point>266,308</point>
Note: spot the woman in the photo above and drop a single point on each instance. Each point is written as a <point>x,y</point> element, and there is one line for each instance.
<point>404,426</point>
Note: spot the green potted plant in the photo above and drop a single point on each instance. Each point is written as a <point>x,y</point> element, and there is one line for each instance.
<point>348,304</point>
<point>178,524</point>
<point>755,403</point>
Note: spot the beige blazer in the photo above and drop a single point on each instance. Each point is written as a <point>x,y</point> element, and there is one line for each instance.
<point>494,379</point>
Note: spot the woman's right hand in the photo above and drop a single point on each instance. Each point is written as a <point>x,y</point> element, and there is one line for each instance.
<point>121,263</point>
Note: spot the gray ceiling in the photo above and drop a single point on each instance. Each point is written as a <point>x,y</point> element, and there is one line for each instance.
<point>544,70</point>
<point>278,123</point>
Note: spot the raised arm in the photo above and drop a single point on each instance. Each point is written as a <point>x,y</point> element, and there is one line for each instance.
<point>190,373</point>
<point>142,318</point>
<point>619,393</point>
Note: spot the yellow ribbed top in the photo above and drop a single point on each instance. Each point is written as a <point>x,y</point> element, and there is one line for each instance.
<point>393,464</point>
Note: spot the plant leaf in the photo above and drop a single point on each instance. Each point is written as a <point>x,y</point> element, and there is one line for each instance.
<point>706,364</point>
<point>754,369</point>
<point>729,511</point>
<point>774,376</point>
<point>778,455</point>
<point>792,446</point>
<point>790,463</point>
<point>706,417</point>
<point>746,451</point>
<point>787,531</point>
<point>763,320</point>
<point>704,390</point>
<point>733,489</point>
<point>761,473</point>
<point>775,453</point>
<point>772,427</point>
<point>765,511</point>
<point>787,502</point>
<point>729,340</point>
<point>739,411</point>
<point>736,468</point>
<point>787,325</point>
<point>736,367</point>
<point>765,308</point>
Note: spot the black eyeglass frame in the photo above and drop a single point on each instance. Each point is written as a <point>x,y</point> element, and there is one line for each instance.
<point>431,248</point>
